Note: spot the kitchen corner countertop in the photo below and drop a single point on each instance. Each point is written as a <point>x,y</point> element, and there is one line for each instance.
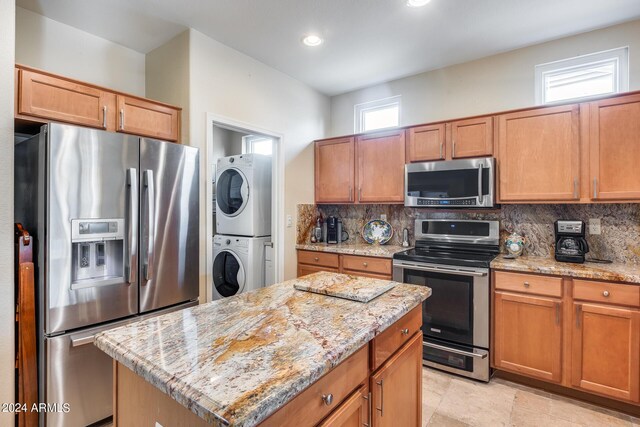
<point>361,249</point>
<point>237,361</point>
<point>615,272</point>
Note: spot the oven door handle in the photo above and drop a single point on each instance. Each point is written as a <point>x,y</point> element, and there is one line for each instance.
<point>480,196</point>
<point>454,350</point>
<point>442,270</point>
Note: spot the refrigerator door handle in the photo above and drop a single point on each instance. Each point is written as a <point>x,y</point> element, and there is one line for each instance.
<point>148,182</point>
<point>132,226</point>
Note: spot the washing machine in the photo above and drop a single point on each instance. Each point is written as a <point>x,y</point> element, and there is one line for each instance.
<point>238,264</point>
<point>243,195</point>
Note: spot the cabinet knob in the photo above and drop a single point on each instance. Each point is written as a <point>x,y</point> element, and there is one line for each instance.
<point>327,399</point>
<point>405,331</point>
<point>605,293</point>
<point>365,264</point>
<point>316,259</point>
<point>526,284</point>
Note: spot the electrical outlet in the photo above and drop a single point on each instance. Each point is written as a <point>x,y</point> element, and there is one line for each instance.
<point>289,221</point>
<point>383,217</point>
<point>595,226</point>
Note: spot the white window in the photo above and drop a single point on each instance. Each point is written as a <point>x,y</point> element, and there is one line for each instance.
<point>383,113</point>
<point>257,144</point>
<point>586,76</point>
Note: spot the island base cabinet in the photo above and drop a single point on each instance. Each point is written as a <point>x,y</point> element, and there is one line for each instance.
<point>354,412</point>
<point>528,335</point>
<point>606,351</point>
<point>396,388</point>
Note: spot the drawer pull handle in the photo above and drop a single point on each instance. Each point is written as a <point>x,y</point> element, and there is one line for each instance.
<point>405,331</point>
<point>605,294</point>
<point>526,284</point>
<point>316,259</point>
<point>365,264</point>
<point>327,399</point>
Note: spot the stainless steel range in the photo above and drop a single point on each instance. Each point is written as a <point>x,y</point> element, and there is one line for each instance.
<point>452,257</point>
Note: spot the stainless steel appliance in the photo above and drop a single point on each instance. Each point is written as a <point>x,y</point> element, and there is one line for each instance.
<point>451,184</point>
<point>115,218</point>
<point>332,231</point>
<point>452,257</point>
<point>571,244</point>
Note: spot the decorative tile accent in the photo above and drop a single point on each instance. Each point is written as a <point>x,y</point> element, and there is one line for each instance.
<point>619,241</point>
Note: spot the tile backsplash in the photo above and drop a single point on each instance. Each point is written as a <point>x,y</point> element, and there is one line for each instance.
<point>619,240</point>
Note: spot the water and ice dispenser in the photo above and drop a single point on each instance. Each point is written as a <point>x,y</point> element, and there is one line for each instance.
<point>98,252</point>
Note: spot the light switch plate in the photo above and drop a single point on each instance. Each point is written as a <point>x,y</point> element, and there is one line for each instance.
<point>383,217</point>
<point>289,221</point>
<point>595,226</point>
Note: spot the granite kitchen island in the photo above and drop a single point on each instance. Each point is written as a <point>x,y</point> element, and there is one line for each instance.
<point>275,356</point>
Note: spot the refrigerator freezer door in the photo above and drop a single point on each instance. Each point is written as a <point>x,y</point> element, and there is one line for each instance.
<point>169,224</point>
<point>92,175</point>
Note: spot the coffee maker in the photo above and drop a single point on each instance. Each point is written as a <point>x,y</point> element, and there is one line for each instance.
<point>332,231</point>
<point>571,245</point>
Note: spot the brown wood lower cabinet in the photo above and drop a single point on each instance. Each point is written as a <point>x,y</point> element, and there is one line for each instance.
<point>528,335</point>
<point>314,261</point>
<point>354,412</point>
<point>606,350</point>
<point>397,386</point>
<point>587,337</point>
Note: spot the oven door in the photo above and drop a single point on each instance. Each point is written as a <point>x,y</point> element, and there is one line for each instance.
<point>454,183</point>
<point>458,308</point>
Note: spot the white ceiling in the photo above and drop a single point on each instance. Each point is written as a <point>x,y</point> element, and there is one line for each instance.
<point>366,41</point>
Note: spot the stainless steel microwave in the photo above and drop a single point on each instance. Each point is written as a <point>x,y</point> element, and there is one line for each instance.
<point>467,183</point>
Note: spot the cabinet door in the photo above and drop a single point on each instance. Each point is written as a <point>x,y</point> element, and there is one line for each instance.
<point>426,143</point>
<point>56,99</point>
<point>396,389</point>
<point>606,350</point>
<point>145,118</point>
<point>380,167</point>
<point>335,170</point>
<point>615,148</point>
<point>354,412</point>
<point>304,269</point>
<point>528,335</point>
<point>539,154</point>
<point>472,138</point>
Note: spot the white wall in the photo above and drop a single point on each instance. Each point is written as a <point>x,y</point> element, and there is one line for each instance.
<point>7,34</point>
<point>228,83</point>
<point>491,84</point>
<point>59,48</point>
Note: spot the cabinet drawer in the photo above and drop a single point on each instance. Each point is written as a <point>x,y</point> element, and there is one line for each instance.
<point>308,408</point>
<point>368,264</point>
<point>389,341</point>
<point>528,283</point>
<point>305,269</point>
<point>366,274</point>
<point>318,258</point>
<point>607,292</point>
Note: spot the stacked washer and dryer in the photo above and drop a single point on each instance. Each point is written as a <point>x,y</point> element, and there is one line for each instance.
<point>242,258</point>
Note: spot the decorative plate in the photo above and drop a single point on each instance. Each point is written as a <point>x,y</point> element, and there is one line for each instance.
<point>377,232</point>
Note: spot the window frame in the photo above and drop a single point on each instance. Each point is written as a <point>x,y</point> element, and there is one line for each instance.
<point>249,140</point>
<point>361,109</point>
<point>619,56</point>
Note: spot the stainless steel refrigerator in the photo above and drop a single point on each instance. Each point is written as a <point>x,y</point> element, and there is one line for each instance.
<point>115,219</point>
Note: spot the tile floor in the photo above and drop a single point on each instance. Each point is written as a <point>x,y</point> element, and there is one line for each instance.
<point>451,401</point>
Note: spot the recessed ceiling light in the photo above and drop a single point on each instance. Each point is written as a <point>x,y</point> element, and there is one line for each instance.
<point>312,40</point>
<point>417,3</point>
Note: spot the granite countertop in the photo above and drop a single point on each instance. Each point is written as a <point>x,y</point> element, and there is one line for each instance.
<point>615,272</point>
<point>238,360</point>
<point>362,249</point>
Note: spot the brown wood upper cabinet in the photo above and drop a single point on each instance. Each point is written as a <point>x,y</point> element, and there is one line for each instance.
<point>43,97</point>
<point>380,160</point>
<point>145,118</point>
<point>539,155</point>
<point>471,137</point>
<point>335,170</point>
<point>51,98</point>
<point>426,143</point>
<point>614,139</point>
